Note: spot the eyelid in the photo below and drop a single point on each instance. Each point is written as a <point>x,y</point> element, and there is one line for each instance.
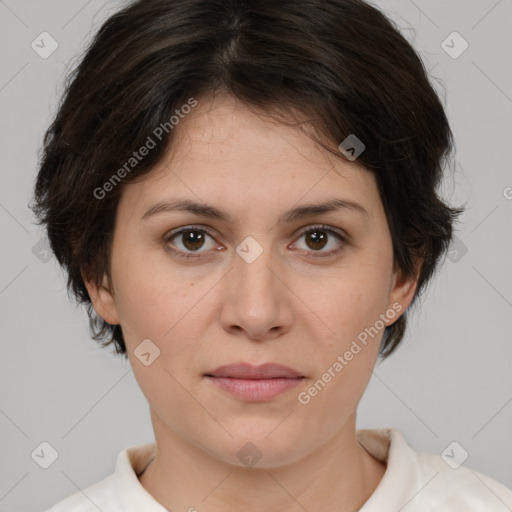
<point>324,227</point>
<point>299,232</point>
<point>190,227</point>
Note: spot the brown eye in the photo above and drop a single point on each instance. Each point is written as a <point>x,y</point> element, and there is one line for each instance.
<point>316,240</point>
<point>187,241</point>
<point>319,237</point>
<point>192,239</point>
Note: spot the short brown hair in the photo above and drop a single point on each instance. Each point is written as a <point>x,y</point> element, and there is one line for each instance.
<point>341,63</point>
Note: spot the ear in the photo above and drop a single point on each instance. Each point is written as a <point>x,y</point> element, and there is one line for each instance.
<point>402,289</point>
<point>102,298</point>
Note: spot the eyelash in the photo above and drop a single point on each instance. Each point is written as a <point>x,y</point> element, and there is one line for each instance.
<point>310,254</point>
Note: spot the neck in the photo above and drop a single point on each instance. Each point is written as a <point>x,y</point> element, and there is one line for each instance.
<point>183,476</point>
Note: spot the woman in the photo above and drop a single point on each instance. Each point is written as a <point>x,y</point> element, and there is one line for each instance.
<point>244,195</point>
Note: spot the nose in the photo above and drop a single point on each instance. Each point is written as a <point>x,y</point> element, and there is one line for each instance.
<point>256,301</point>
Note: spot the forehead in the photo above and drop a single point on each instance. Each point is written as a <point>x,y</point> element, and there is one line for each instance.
<point>223,126</point>
<point>225,153</point>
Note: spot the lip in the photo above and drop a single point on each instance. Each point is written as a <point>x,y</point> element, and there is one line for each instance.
<point>249,371</point>
<point>255,383</point>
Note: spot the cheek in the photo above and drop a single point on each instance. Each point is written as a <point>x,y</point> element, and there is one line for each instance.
<point>351,300</point>
<point>150,299</point>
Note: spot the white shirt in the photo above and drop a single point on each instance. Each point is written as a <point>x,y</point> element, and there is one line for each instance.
<point>413,482</point>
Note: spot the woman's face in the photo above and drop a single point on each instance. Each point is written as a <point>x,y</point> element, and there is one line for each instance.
<point>254,287</point>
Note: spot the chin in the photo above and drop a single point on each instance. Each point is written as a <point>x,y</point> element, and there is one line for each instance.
<point>263,449</point>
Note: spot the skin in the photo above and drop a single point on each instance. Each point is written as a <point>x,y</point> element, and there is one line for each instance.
<point>283,307</point>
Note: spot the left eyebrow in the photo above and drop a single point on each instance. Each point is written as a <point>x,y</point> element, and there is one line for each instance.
<point>325,207</point>
<point>212,212</point>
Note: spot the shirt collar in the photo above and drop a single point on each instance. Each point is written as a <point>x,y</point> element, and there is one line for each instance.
<point>401,481</point>
<point>130,463</point>
<point>399,485</point>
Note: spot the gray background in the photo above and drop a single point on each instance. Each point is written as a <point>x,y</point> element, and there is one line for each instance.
<point>450,381</point>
